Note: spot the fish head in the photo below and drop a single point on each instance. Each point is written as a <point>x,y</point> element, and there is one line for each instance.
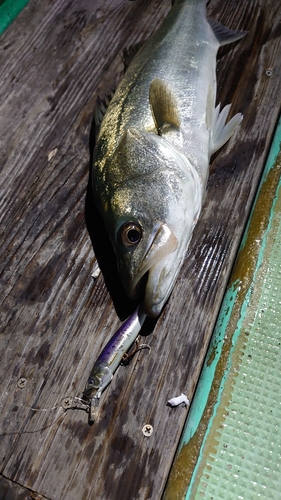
<point>149,203</point>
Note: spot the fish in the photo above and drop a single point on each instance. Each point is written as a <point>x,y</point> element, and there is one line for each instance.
<point>153,147</point>
<point>110,358</point>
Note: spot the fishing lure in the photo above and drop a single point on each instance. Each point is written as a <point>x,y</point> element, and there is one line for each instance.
<point>110,358</point>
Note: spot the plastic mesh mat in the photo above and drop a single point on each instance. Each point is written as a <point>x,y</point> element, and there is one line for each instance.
<point>241,454</point>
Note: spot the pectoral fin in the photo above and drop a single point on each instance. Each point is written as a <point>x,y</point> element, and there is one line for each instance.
<point>163,106</point>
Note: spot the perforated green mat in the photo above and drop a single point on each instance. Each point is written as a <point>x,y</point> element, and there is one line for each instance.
<point>242,452</point>
<point>231,447</point>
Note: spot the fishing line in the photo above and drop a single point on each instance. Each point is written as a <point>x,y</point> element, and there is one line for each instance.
<point>13,433</point>
<point>68,403</point>
<point>42,409</point>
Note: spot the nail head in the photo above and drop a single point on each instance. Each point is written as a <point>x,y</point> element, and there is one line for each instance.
<point>21,383</point>
<point>147,430</point>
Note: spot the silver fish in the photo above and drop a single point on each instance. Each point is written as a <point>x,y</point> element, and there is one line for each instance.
<point>152,154</point>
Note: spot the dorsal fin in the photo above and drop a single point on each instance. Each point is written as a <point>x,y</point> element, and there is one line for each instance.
<point>225,35</point>
<point>129,53</point>
<point>164,107</point>
<point>100,109</point>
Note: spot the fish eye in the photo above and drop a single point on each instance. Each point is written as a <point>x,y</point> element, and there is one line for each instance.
<point>131,234</point>
<point>91,381</point>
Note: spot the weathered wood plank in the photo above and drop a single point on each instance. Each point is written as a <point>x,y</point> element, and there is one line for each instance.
<point>13,491</point>
<point>55,318</point>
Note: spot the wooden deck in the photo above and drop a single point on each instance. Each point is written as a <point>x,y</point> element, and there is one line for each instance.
<point>56,58</point>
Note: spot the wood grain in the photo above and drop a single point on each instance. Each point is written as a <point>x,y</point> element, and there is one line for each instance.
<point>13,491</point>
<point>54,60</point>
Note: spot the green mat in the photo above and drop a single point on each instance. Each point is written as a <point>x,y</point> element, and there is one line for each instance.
<point>9,9</point>
<point>231,447</point>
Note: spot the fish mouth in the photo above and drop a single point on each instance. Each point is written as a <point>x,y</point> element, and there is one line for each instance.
<point>160,282</point>
<point>153,266</point>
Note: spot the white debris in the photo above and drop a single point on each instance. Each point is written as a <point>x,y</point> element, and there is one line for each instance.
<point>52,154</point>
<point>178,400</point>
<point>96,271</point>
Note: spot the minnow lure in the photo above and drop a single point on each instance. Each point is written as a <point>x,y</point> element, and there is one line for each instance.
<point>110,358</point>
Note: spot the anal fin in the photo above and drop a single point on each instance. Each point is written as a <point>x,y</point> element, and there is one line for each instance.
<point>222,131</point>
